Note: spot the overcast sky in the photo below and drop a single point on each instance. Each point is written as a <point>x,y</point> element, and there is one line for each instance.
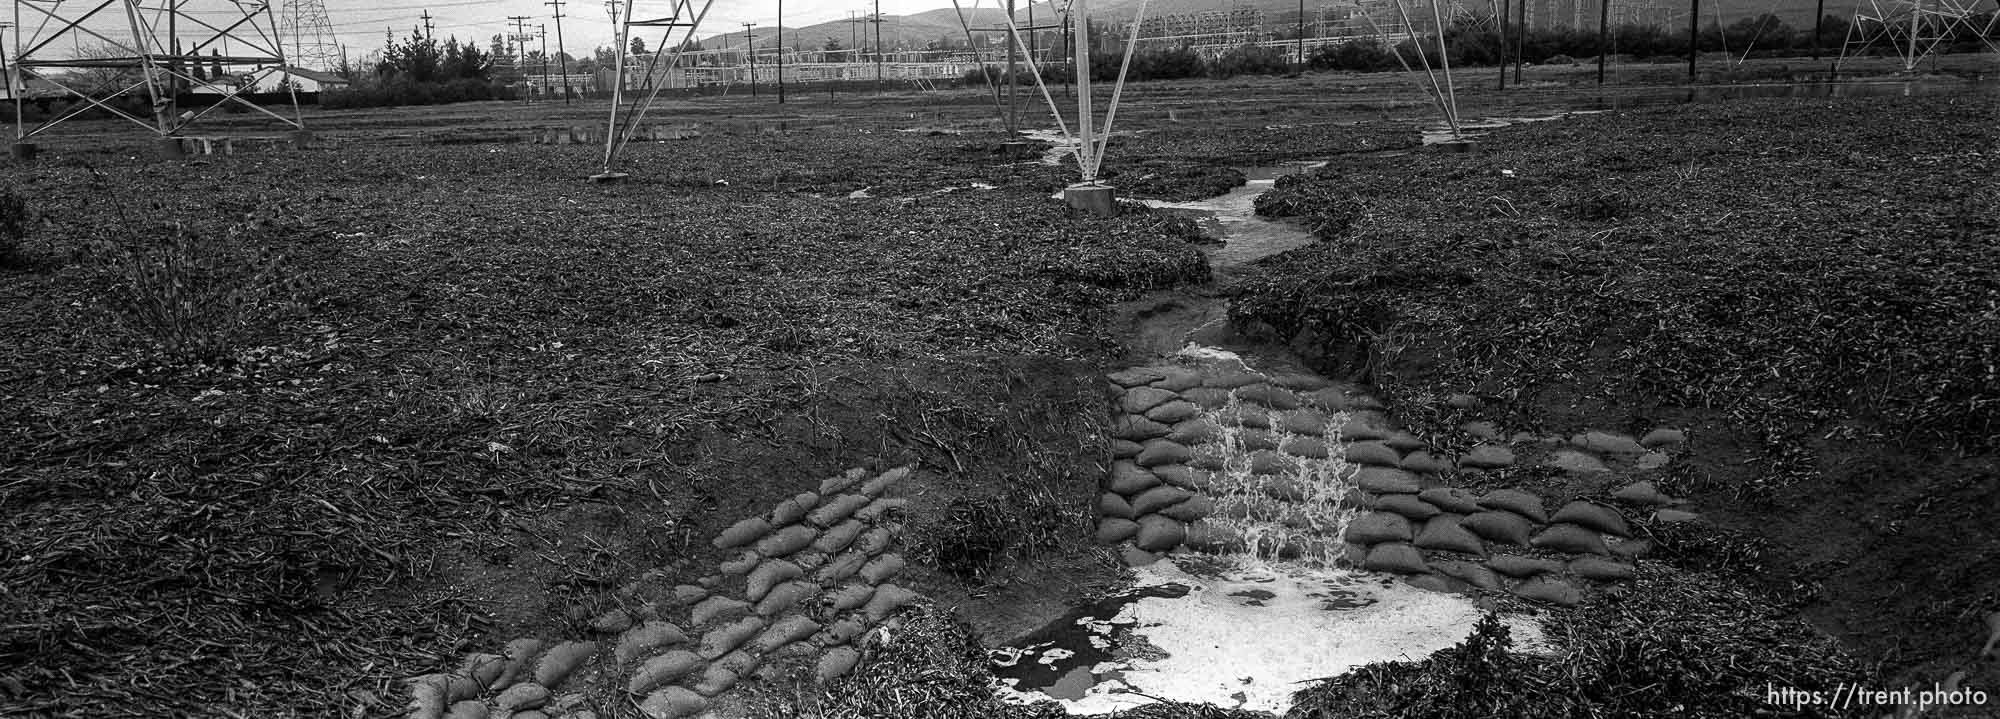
<point>360,23</point>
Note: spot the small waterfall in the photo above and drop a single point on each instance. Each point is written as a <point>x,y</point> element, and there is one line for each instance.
<point>1275,500</point>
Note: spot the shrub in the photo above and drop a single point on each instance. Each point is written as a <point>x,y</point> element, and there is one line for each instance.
<point>193,297</point>
<point>1358,56</point>
<point>1250,60</point>
<point>404,92</point>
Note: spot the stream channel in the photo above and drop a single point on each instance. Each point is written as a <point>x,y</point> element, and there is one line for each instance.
<point>1245,629</point>
<point>1237,629</point>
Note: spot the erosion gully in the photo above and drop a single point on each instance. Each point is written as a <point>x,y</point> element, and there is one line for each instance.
<point>1243,625</point>
<point>1240,625</point>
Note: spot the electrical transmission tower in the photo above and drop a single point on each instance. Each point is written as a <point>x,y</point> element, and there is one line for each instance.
<point>1916,29</point>
<point>309,34</point>
<point>137,60</point>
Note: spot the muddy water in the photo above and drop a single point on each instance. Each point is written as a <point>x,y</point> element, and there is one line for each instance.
<point>1241,628</point>
<point>1233,218</point>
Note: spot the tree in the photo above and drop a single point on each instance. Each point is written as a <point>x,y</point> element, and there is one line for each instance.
<point>418,59</point>
<point>465,62</point>
<point>831,45</point>
<point>638,46</point>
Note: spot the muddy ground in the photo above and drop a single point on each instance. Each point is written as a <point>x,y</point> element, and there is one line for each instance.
<point>422,389</point>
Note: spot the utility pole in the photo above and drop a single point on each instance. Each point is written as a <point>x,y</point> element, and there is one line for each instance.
<point>750,55</point>
<point>427,23</point>
<point>1520,36</point>
<point>562,54</point>
<point>878,44</point>
<point>1819,25</point>
<point>1302,36</point>
<point>1069,47</point>
<point>542,33</point>
<point>781,52</point>
<point>520,39</point>
<point>1031,31</point>
<point>1500,17</point>
<point>617,35</point>
<point>1603,36</point>
<point>1694,35</point>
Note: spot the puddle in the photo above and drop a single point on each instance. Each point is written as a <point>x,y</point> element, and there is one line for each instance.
<point>1238,635</point>
<point>1059,146</point>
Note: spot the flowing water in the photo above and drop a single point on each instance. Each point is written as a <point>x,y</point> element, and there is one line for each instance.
<point>1259,615</point>
<point>1267,606</point>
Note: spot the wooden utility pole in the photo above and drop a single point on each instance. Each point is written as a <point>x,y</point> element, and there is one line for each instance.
<point>427,23</point>
<point>520,39</point>
<point>1819,24</point>
<point>617,35</point>
<point>1520,36</point>
<point>1500,18</point>
<point>542,33</point>
<point>562,54</point>
<point>750,55</point>
<point>1603,36</point>
<point>781,52</point>
<point>1031,32</point>
<point>877,20</point>
<point>1694,35</point>
<point>1069,44</point>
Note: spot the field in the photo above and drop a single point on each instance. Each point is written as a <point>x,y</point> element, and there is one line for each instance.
<point>280,429</point>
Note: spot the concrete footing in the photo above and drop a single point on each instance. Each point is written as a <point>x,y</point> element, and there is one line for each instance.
<point>1096,199</point>
<point>605,178</point>
<point>23,151</point>
<point>171,148</point>
<point>1454,146</point>
<point>1015,150</point>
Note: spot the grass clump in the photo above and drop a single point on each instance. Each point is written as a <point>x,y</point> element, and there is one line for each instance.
<point>974,536</point>
<point>929,666</point>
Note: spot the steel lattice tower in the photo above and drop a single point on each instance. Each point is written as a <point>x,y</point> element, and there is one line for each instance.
<point>137,59</point>
<point>309,34</point>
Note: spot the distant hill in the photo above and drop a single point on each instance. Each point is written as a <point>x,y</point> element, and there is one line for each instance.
<point>898,31</point>
<point>918,29</point>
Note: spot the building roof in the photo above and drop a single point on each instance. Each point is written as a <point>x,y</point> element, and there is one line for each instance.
<point>323,78</point>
